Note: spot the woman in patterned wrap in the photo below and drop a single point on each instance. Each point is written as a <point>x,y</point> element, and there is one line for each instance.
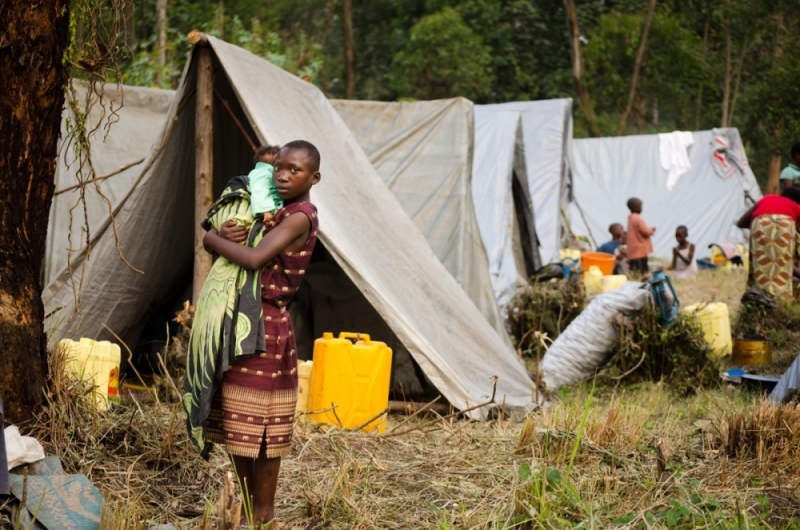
<point>773,242</point>
<point>253,412</point>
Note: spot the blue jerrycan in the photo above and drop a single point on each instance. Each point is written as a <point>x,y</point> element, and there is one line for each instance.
<point>665,297</point>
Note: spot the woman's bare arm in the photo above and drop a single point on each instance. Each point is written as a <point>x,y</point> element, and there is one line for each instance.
<point>231,231</point>
<point>746,218</point>
<point>279,239</point>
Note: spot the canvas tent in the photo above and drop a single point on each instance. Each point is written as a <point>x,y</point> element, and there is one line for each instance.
<point>520,183</point>
<point>423,152</point>
<point>373,261</point>
<point>608,171</point>
<point>126,123</point>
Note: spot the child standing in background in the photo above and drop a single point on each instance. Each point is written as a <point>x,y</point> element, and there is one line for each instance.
<point>684,264</point>
<point>264,198</point>
<point>637,240</point>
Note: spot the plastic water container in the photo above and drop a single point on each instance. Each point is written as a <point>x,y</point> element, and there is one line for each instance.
<point>612,283</point>
<point>353,379</point>
<point>601,260</point>
<point>304,369</point>
<point>593,280</point>
<point>98,364</point>
<point>716,325</point>
<point>76,355</point>
<point>571,253</point>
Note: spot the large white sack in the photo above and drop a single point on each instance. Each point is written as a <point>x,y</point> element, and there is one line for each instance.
<point>21,449</point>
<point>788,384</point>
<point>581,349</point>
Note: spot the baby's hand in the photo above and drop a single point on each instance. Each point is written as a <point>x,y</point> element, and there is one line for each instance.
<point>233,232</point>
<point>267,217</point>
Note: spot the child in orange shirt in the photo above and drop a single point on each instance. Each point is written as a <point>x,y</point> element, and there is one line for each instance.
<point>638,238</point>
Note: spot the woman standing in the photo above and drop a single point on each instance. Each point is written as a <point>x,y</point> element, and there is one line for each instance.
<point>773,242</point>
<point>253,411</point>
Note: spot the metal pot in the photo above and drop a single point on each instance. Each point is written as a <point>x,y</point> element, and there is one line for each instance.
<point>752,352</point>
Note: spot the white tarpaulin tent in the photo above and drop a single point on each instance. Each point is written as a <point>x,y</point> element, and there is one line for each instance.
<point>369,238</point>
<point>520,172</point>
<point>423,152</point>
<point>606,172</point>
<point>126,122</point>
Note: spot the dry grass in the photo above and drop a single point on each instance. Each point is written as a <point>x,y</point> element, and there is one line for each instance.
<point>713,286</point>
<point>596,457</point>
<point>636,457</point>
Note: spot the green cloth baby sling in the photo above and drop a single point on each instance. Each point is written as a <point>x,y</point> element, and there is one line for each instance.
<point>228,320</point>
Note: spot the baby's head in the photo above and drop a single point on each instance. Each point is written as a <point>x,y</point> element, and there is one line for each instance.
<point>681,234</point>
<point>267,154</point>
<point>296,169</point>
<point>635,205</point>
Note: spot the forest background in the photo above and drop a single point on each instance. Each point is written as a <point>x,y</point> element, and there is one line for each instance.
<point>632,66</point>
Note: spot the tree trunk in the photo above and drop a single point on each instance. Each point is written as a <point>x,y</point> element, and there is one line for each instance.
<point>726,95</point>
<point>36,36</point>
<point>699,104</point>
<point>774,173</point>
<point>255,33</point>
<point>221,19</point>
<point>349,51</point>
<point>577,68</point>
<point>128,12</point>
<point>737,75</point>
<point>637,68</point>
<point>161,38</point>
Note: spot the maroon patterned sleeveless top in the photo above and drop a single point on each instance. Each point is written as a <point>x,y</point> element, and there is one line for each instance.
<point>276,368</point>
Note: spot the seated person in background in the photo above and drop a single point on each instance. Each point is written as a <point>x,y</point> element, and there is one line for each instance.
<point>790,176</point>
<point>684,264</point>
<point>621,256</point>
<point>616,232</point>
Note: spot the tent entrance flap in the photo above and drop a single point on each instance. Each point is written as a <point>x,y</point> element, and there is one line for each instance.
<point>527,232</point>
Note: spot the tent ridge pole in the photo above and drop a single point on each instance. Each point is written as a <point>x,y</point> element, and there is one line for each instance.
<point>204,164</point>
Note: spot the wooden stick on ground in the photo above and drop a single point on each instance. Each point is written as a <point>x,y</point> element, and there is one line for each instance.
<point>451,415</point>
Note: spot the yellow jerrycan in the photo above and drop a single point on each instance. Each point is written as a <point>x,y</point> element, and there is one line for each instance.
<point>96,363</point>
<point>76,354</point>
<point>612,282</point>
<point>593,280</point>
<point>350,381</point>
<point>716,325</point>
<point>304,369</point>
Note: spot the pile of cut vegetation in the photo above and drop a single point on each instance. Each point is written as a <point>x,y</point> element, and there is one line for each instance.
<point>546,307</point>
<point>646,350</point>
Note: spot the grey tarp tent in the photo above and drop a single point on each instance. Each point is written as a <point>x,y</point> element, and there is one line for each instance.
<point>423,152</point>
<point>520,179</point>
<point>126,122</point>
<point>606,172</point>
<point>383,260</point>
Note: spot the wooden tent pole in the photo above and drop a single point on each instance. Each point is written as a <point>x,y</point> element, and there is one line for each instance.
<point>204,164</point>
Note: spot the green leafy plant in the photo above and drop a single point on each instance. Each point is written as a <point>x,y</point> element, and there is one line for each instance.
<point>443,58</point>
<point>644,350</point>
